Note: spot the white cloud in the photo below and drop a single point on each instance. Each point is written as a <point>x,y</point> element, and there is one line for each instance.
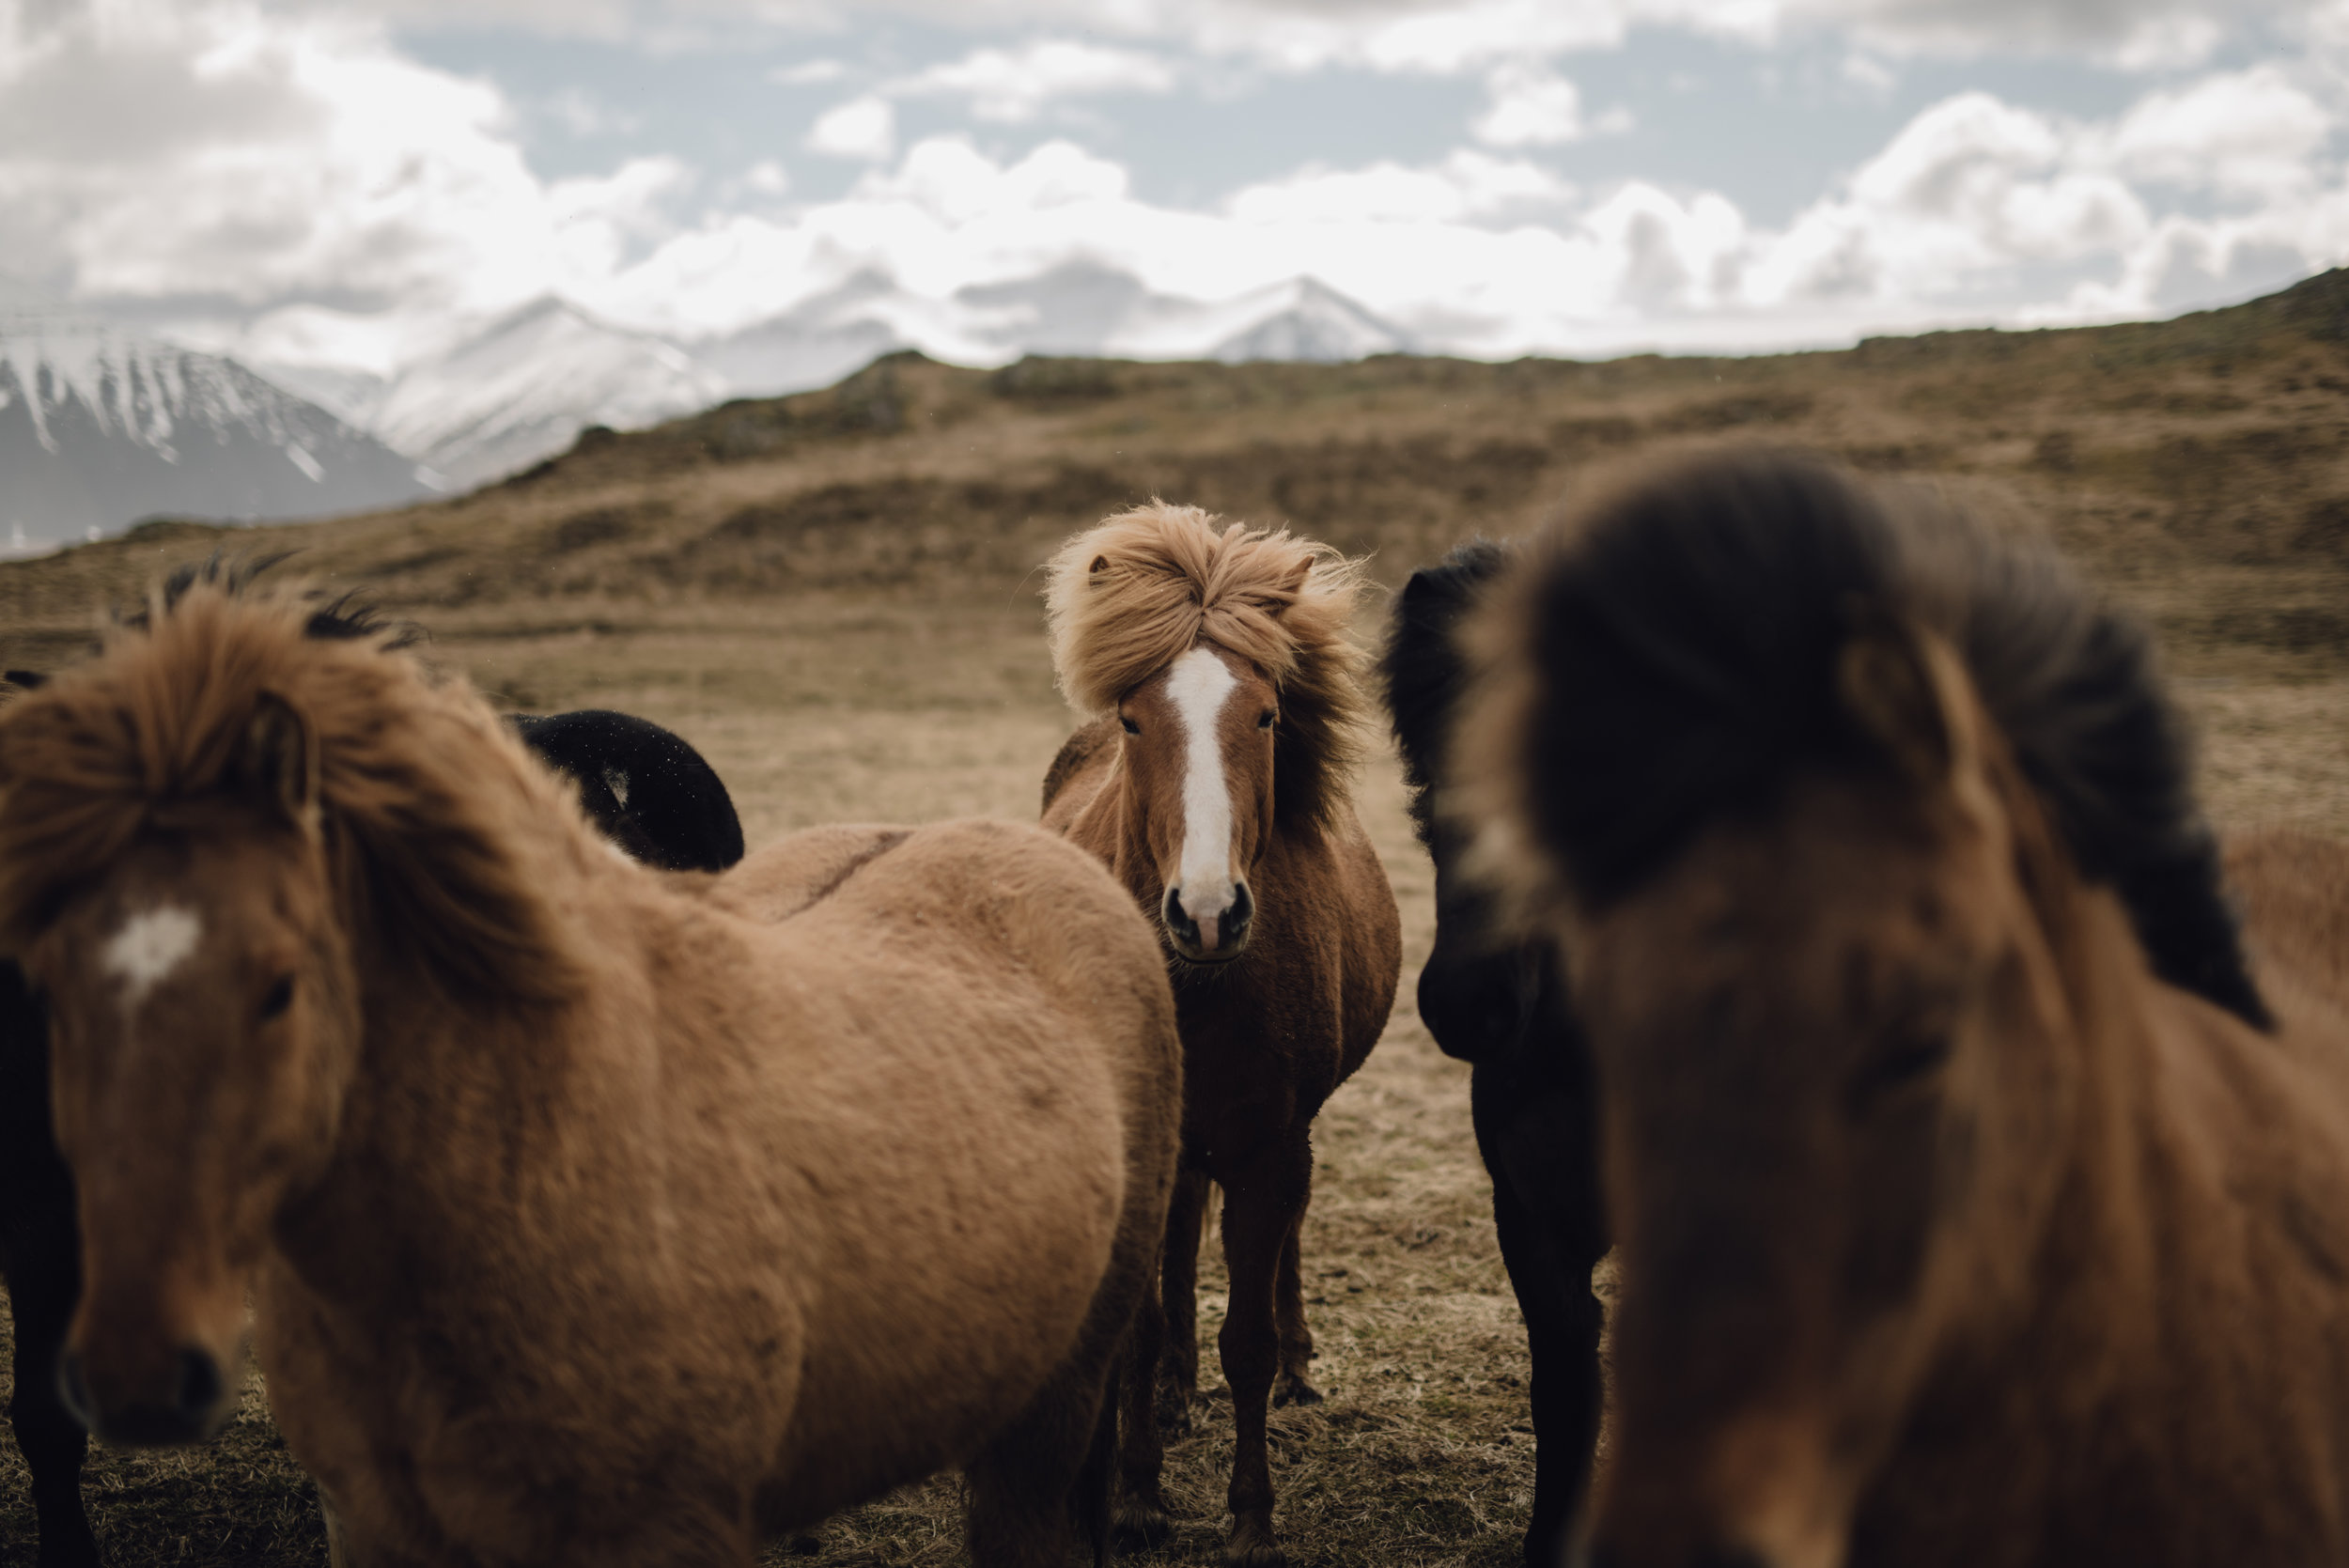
<point>327,199</point>
<point>1015,85</point>
<point>808,73</point>
<point>2248,132</point>
<point>1467,187</point>
<point>1531,106</point>
<point>862,128</point>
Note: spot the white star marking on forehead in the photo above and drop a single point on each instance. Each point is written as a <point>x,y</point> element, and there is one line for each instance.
<point>150,945</point>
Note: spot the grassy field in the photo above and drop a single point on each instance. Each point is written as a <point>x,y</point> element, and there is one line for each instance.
<point>833,597</point>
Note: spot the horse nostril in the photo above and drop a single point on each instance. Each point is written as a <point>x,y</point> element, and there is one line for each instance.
<point>1177,919</point>
<point>200,1382</point>
<point>1243,911</point>
<point>73,1388</point>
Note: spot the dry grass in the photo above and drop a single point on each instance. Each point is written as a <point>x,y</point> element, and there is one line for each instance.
<point>831,596</point>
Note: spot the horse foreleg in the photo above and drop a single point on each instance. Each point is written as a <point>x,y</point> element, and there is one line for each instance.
<point>1179,1297</point>
<point>1293,1387</point>
<point>44,1272</point>
<point>1141,1512</point>
<point>1262,1203</point>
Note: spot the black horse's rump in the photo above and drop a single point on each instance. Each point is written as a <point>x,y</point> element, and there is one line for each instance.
<point>1686,638</point>
<point>646,788</point>
<point>650,792</point>
<point>1501,1005</point>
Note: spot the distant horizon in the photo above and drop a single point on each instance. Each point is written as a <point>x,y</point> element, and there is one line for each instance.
<point>80,314</point>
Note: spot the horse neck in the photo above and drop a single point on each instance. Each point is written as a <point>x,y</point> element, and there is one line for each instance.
<point>2109,1263</point>
<point>458,1102</point>
<point>1109,826</point>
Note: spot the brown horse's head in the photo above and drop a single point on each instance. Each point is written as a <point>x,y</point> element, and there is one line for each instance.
<point>1223,652</point>
<point>1837,1065</point>
<point>216,839</point>
<point>1840,812</point>
<point>1198,763</point>
<point>202,1032</point>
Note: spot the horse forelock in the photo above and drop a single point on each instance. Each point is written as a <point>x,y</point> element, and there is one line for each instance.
<point>435,812</point>
<point>1668,659</point>
<point>1128,596</point>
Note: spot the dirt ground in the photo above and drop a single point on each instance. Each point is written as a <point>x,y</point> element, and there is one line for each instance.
<point>831,597</point>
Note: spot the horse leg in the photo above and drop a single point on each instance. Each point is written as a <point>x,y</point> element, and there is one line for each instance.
<point>1141,1514</point>
<point>1179,1296</point>
<point>1539,1147</point>
<point>43,1264</point>
<point>1021,1488</point>
<point>1297,1340</point>
<point>1262,1202</point>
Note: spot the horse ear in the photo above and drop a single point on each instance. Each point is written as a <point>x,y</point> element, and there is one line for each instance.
<point>1909,694</point>
<point>279,756</point>
<point>1290,586</point>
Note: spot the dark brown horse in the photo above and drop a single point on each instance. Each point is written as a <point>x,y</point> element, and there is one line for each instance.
<point>590,1214</point>
<point>1497,999</point>
<point>1214,779</point>
<point>1975,1206</point>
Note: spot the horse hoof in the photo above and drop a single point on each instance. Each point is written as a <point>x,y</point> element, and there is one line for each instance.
<point>1140,1524</point>
<point>1292,1390</point>
<point>1261,1553</point>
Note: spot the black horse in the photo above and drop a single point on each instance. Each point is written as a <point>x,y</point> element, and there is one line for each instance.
<point>648,791</point>
<point>1502,1006</point>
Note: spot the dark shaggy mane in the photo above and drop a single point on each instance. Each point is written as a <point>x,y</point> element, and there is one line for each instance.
<point>1683,642</point>
<point>1423,670</point>
<point>340,619</point>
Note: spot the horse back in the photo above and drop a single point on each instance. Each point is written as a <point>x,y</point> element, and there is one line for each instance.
<point>973,1080</point>
<point>2292,890</point>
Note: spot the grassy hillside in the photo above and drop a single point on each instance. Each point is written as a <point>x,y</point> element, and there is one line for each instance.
<point>832,595</point>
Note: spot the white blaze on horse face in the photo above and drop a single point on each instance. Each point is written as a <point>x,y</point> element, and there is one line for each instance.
<point>150,945</point>
<point>1199,686</point>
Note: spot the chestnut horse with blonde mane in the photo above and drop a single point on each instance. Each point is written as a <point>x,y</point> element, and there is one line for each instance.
<point>591,1215</point>
<point>1982,1198</point>
<point>1214,779</point>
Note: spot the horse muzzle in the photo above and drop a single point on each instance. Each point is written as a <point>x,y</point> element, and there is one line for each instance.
<point>184,1399</point>
<point>1208,936</point>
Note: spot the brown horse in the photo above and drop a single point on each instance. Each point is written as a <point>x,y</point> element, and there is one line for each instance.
<point>1975,1207</point>
<point>1215,783</point>
<point>592,1213</point>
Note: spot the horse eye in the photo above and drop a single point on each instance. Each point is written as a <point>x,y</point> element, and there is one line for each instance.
<point>280,997</point>
<point>1264,720</point>
<point>1131,728</point>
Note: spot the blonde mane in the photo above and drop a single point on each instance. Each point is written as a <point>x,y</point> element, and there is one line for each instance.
<point>1132,594</point>
<point>444,831</point>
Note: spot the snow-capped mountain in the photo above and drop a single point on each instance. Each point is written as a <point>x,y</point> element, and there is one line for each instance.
<point>99,427</point>
<point>1305,320</point>
<point>528,384</point>
<point>522,387</point>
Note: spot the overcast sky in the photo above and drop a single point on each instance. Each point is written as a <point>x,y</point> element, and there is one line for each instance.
<point>353,181</point>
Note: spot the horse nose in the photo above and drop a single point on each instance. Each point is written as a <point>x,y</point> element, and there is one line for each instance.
<point>185,1414</point>
<point>1220,933</point>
